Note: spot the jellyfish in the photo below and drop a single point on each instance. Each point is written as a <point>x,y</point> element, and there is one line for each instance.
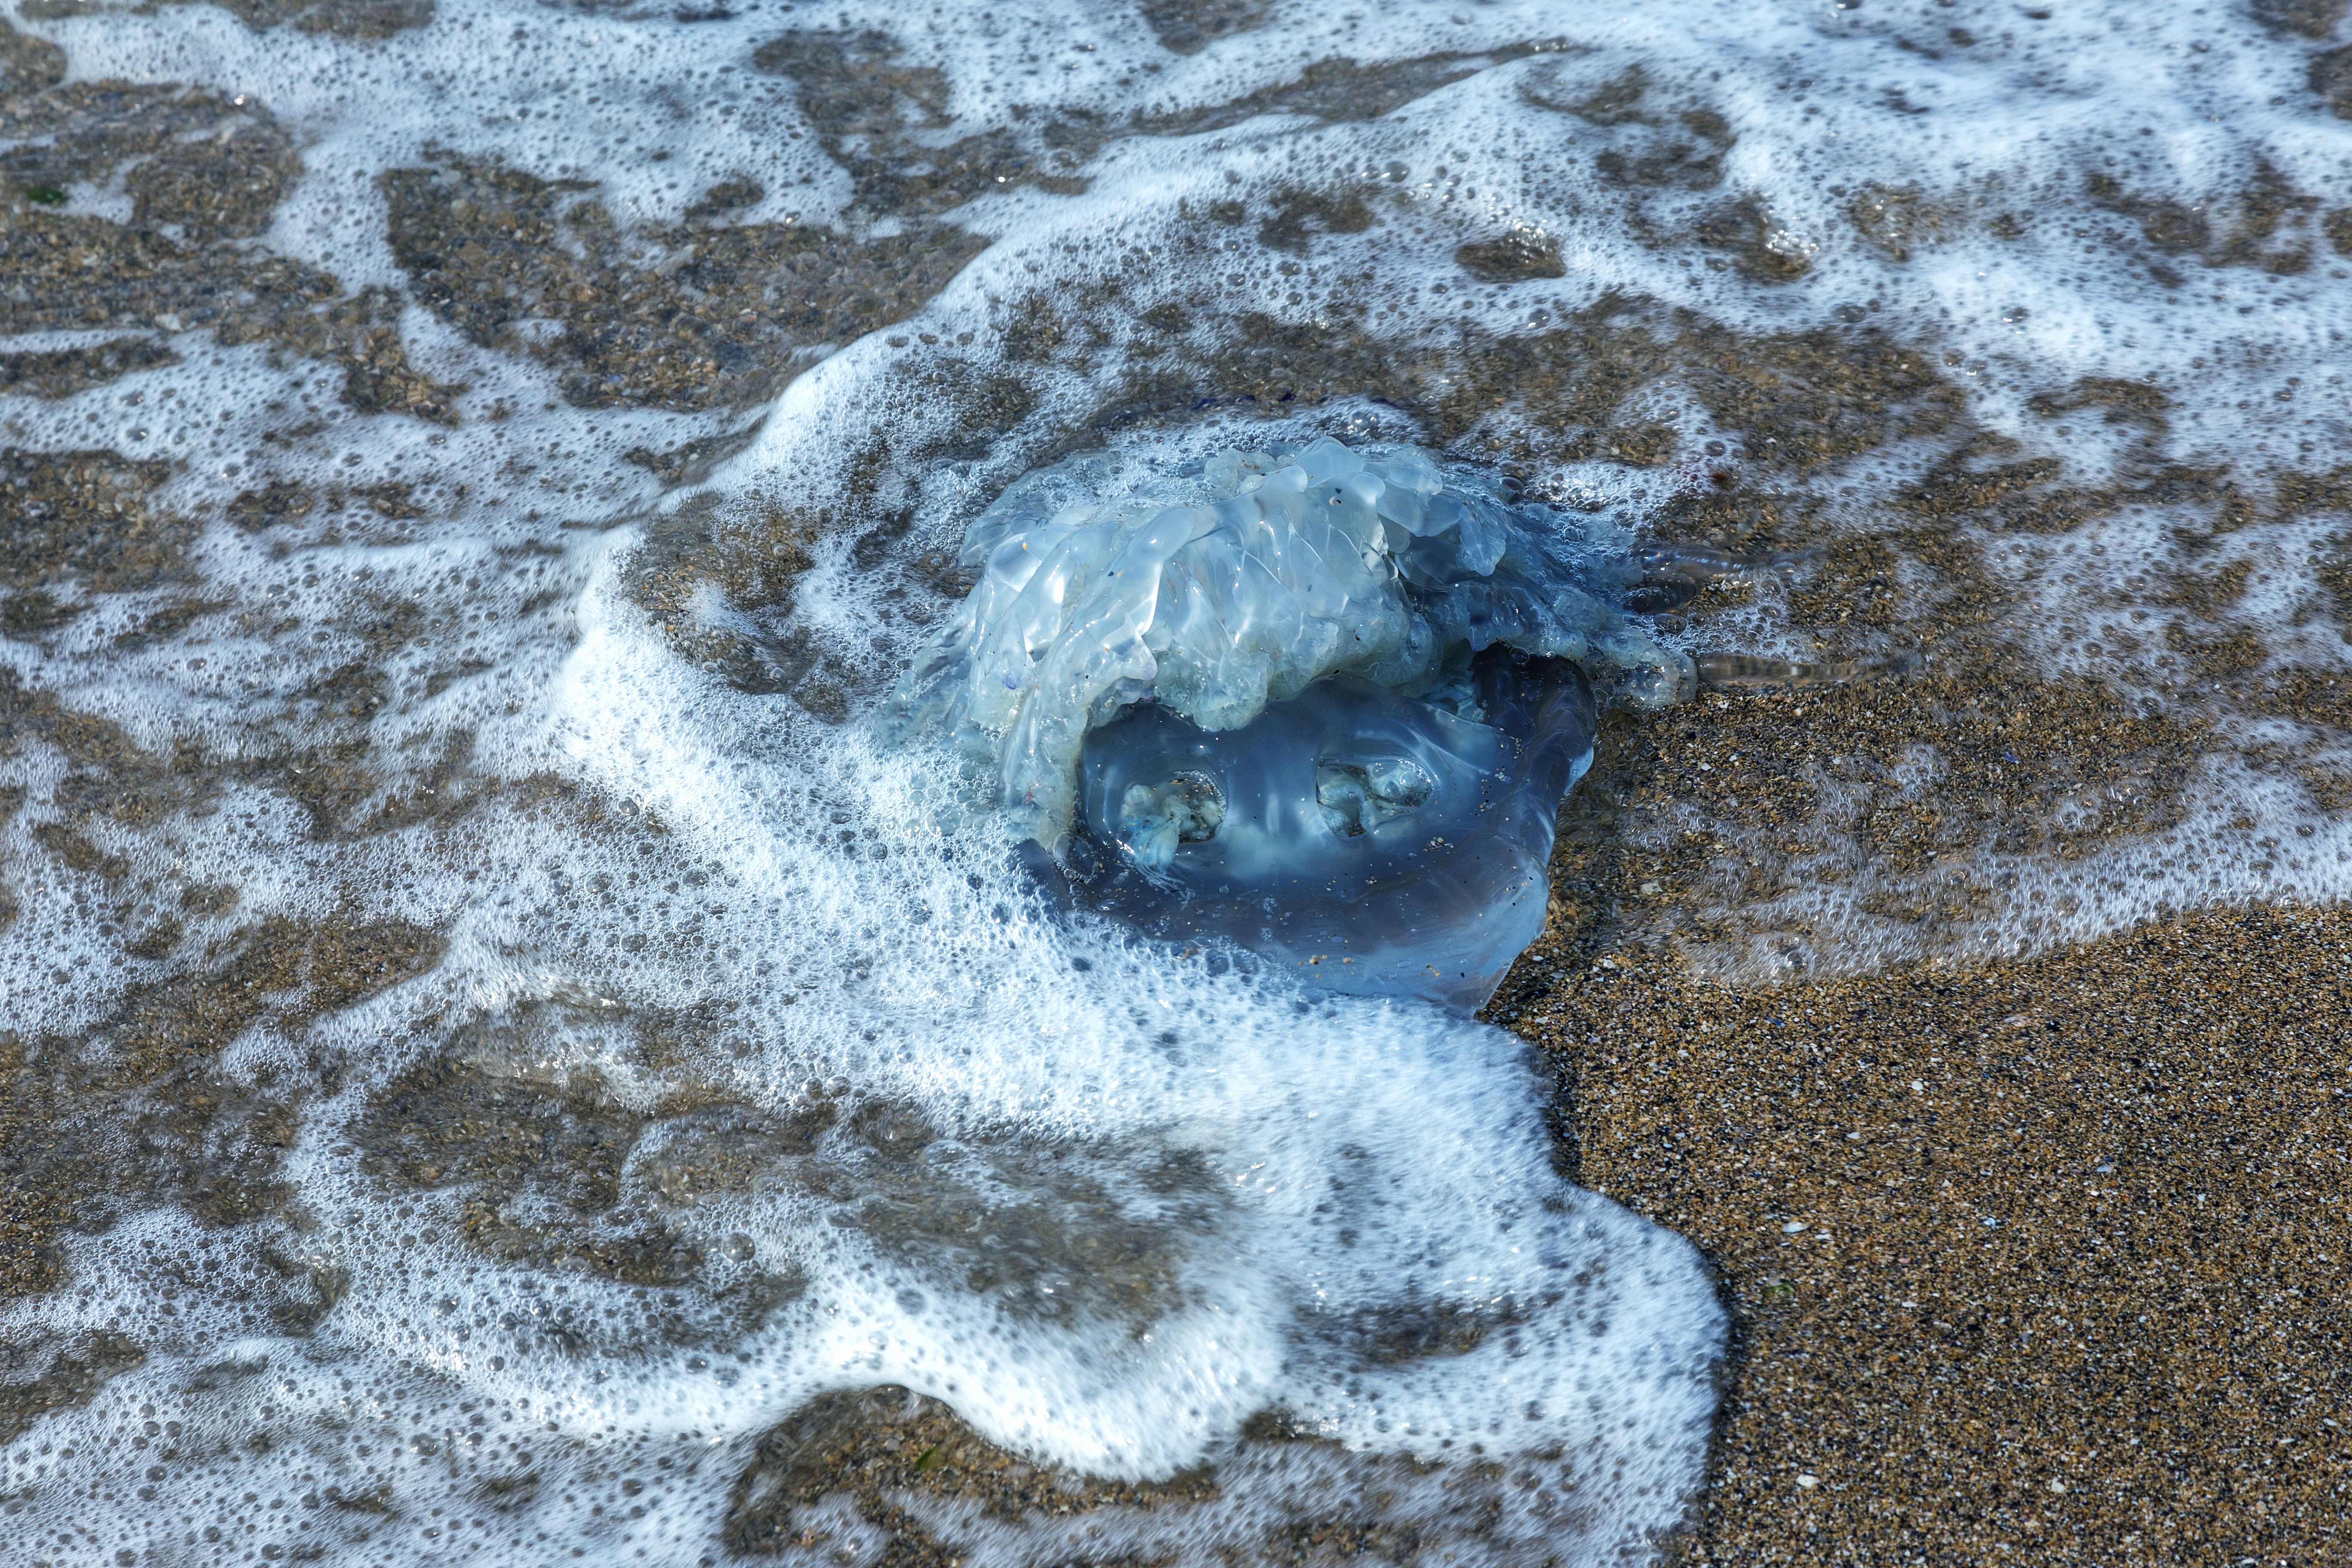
<point>1318,703</point>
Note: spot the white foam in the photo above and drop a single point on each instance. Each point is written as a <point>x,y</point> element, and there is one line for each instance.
<point>1342,1156</point>
<point>1286,1172</point>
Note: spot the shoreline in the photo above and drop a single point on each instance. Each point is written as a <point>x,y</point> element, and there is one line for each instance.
<point>2020,1155</point>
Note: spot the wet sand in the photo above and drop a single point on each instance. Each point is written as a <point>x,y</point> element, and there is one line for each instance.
<point>2038,1262</point>
<point>2077,1295</point>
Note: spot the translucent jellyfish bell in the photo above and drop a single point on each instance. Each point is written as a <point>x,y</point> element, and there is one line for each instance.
<point>1351,647</point>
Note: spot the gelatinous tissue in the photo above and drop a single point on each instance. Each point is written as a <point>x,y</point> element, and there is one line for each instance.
<point>1317,701</point>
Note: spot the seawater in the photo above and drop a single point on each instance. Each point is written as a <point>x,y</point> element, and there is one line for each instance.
<point>730,1071</point>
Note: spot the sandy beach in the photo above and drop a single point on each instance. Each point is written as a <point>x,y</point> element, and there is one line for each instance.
<point>425,489</point>
<point>2041,1262</point>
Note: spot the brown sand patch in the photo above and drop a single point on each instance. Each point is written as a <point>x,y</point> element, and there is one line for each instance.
<point>705,313</point>
<point>2042,1262</point>
<point>137,1111</point>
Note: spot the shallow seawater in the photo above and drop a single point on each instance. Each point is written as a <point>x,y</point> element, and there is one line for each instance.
<point>507,1061</point>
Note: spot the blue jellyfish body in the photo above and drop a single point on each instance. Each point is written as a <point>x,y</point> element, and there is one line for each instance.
<point>1321,702</point>
<point>1374,842</point>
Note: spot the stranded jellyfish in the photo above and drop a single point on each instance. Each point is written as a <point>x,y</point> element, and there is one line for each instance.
<point>1319,704</point>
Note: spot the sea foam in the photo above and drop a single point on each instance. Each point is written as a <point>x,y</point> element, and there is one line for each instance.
<point>823,1096</point>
